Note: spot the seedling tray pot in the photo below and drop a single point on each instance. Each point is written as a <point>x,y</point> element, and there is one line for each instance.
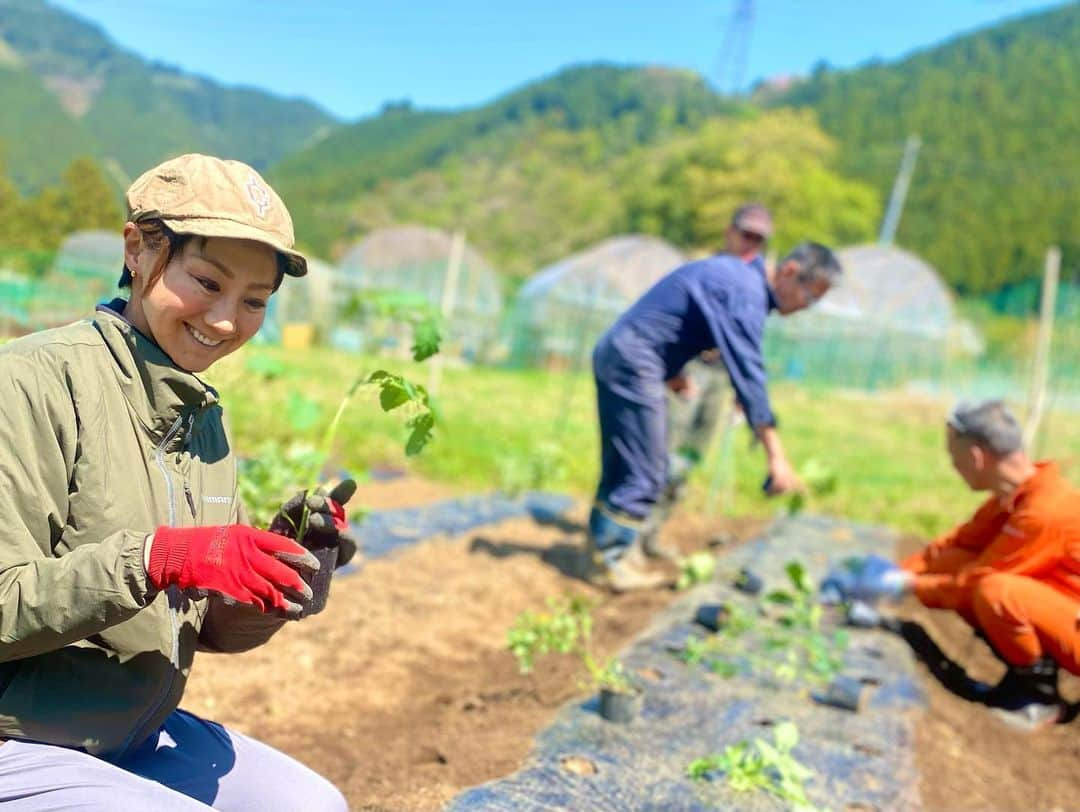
<point>748,582</point>
<point>713,616</point>
<point>843,692</point>
<point>320,581</point>
<point>619,707</point>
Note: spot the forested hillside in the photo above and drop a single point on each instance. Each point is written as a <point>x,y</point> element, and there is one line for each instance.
<point>598,149</point>
<point>568,160</point>
<point>998,175</point>
<point>606,110</point>
<point>65,84</point>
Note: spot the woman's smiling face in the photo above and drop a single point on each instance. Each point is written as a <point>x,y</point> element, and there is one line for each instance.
<point>207,302</point>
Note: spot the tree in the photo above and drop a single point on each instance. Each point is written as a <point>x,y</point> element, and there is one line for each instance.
<point>687,190</point>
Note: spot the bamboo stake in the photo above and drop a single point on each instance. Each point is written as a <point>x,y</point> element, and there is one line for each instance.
<point>1040,372</point>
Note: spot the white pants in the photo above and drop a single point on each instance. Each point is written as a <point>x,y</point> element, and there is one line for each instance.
<point>189,764</point>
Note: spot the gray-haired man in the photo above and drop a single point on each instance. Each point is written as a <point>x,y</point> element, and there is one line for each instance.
<point>698,393</point>
<point>710,303</point>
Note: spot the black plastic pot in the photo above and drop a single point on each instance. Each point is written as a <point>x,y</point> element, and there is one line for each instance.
<point>843,692</point>
<point>748,582</point>
<point>320,581</point>
<point>619,707</point>
<point>713,616</point>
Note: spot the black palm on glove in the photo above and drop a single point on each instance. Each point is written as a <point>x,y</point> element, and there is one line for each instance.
<point>326,524</point>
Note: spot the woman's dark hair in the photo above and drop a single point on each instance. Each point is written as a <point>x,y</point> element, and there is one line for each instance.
<point>158,235</point>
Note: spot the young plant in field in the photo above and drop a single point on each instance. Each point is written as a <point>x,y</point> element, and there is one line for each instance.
<point>268,478</point>
<point>565,628</point>
<point>721,652</point>
<point>761,765</point>
<point>401,307</point>
<point>543,466</point>
<point>798,631</point>
<point>696,568</point>
<point>395,392</point>
<point>819,479</point>
<point>790,646</point>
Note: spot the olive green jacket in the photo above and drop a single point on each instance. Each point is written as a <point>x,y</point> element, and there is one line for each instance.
<point>102,440</point>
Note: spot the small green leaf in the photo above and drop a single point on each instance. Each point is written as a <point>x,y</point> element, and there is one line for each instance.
<point>426,339</point>
<point>797,573</point>
<point>786,736</point>
<point>392,395</point>
<point>781,597</point>
<point>420,434</point>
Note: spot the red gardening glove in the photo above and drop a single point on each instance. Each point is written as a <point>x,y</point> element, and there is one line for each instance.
<point>240,563</point>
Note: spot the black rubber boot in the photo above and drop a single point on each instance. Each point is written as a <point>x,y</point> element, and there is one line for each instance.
<point>1027,696</point>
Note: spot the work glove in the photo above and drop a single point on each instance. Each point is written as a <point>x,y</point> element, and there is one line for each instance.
<point>326,525</point>
<point>240,563</point>
<point>869,579</point>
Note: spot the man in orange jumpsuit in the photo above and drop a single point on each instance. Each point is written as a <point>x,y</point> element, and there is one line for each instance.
<point>1012,571</point>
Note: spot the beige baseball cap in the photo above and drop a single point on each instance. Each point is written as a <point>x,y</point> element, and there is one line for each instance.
<point>203,195</point>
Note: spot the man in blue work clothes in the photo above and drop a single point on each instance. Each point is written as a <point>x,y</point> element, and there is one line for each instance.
<point>698,394</point>
<point>721,303</point>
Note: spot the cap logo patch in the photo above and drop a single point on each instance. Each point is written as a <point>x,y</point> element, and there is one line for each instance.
<point>259,196</point>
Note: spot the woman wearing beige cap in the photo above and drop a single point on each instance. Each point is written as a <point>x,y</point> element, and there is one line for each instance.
<point>123,546</point>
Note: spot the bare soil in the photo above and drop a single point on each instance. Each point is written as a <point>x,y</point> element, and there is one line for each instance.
<point>402,692</point>
<point>968,759</point>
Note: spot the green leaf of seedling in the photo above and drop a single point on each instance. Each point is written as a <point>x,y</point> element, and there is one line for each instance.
<point>724,668</point>
<point>786,736</point>
<point>696,569</point>
<point>700,768</point>
<point>796,503</point>
<point>796,572</point>
<point>780,596</point>
<point>426,339</point>
<point>420,428</point>
<point>392,395</point>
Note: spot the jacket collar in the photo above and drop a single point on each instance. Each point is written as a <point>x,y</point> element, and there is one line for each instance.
<point>159,391</point>
<point>1046,472</point>
<point>758,264</point>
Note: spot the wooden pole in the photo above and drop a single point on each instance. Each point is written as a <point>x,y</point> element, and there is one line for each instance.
<point>1040,371</point>
<point>446,308</point>
<point>899,191</point>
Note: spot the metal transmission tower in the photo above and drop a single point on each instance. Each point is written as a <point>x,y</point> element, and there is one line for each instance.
<point>731,64</point>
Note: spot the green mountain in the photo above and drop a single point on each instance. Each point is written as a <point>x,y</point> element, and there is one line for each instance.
<point>998,174</point>
<point>615,108</point>
<point>65,84</point>
<point>600,148</point>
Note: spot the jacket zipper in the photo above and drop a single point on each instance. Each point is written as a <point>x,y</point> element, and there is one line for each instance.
<point>170,592</point>
<point>187,488</point>
<point>190,498</point>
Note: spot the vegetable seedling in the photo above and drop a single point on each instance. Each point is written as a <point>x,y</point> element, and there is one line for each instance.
<point>760,765</point>
<point>565,628</point>
<point>696,568</point>
<point>819,479</point>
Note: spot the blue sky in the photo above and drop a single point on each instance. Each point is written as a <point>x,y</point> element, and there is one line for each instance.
<point>350,56</point>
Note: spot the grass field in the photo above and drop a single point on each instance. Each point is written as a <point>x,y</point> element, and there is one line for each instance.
<point>507,429</point>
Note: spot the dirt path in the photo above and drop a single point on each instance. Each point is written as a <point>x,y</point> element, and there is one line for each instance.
<point>403,694</point>
<point>967,758</point>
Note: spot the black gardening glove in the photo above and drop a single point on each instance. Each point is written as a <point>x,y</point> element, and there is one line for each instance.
<point>326,524</point>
